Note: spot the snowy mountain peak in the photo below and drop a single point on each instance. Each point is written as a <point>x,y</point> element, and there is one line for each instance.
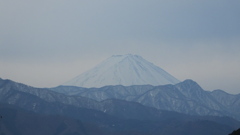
<point>124,70</point>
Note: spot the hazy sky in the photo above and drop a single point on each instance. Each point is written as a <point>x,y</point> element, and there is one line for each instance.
<point>45,43</point>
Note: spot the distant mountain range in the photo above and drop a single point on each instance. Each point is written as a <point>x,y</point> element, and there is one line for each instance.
<point>111,116</point>
<point>185,97</point>
<point>124,95</point>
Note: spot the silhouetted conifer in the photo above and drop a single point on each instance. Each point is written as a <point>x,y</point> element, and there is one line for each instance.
<point>235,132</point>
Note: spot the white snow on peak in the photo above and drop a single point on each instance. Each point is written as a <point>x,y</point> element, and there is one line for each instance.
<point>123,70</point>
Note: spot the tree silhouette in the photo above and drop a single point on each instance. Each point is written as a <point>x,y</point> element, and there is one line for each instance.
<point>235,132</point>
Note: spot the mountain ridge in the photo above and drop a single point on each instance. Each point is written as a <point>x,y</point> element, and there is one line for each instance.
<point>185,97</point>
<point>149,95</point>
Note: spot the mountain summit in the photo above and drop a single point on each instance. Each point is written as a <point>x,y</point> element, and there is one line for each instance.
<point>123,70</point>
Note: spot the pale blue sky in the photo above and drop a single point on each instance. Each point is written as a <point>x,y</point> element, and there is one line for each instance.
<point>45,43</point>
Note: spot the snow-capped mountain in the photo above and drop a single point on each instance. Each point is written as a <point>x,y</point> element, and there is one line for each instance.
<point>123,70</point>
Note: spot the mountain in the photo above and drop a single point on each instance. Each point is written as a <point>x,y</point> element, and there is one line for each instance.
<point>185,97</point>
<point>74,114</point>
<point>229,101</point>
<point>123,70</point>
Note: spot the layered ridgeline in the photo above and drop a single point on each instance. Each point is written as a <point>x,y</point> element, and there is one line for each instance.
<point>126,70</point>
<point>185,97</point>
<point>26,110</point>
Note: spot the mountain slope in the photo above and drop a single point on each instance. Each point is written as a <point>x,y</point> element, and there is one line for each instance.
<point>124,70</point>
<point>16,121</point>
<point>185,97</point>
<point>229,101</point>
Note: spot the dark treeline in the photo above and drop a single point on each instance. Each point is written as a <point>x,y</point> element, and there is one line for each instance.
<point>235,132</point>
